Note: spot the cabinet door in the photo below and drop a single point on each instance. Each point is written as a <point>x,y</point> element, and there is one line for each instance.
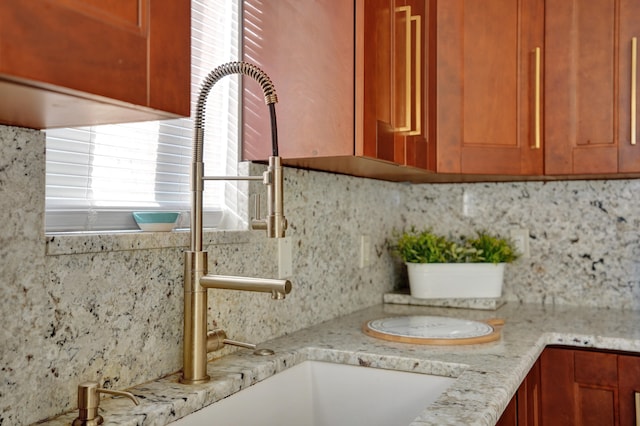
<point>63,62</point>
<point>486,86</point>
<point>629,389</point>
<point>510,415</point>
<point>529,398</point>
<point>578,388</point>
<point>87,46</point>
<point>336,100</point>
<point>396,97</point>
<point>524,408</point>
<point>307,49</point>
<point>629,153</point>
<point>588,86</point>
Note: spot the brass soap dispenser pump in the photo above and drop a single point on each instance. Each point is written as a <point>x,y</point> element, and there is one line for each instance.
<point>89,402</point>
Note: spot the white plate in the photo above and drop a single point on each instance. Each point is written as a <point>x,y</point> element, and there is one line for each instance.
<point>430,327</point>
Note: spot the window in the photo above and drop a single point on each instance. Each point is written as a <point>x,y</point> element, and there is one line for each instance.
<point>96,176</point>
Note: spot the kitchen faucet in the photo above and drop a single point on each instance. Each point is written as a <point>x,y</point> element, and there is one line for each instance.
<point>197,341</point>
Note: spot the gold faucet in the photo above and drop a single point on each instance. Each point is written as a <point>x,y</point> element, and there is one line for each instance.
<point>89,401</point>
<point>197,341</point>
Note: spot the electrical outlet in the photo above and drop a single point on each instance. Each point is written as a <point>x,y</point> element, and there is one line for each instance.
<point>285,261</point>
<point>520,238</point>
<point>365,251</point>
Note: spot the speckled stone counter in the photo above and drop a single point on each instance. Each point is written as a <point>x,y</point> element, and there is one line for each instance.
<point>487,375</point>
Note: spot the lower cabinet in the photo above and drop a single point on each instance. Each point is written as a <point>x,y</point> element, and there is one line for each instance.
<point>524,408</point>
<point>586,387</point>
<point>629,389</point>
<point>577,387</point>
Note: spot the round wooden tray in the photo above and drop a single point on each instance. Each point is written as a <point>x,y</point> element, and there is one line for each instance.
<point>433,330</point>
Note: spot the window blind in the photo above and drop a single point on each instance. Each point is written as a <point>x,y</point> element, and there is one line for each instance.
<point>96,176</point>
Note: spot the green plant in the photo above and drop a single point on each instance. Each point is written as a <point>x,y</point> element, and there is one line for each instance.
<point>427,247</point>
<point>494,249</point>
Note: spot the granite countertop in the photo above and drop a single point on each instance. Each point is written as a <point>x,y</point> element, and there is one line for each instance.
<point>487,374</point>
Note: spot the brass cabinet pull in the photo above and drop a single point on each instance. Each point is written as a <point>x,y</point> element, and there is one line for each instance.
<point>537,111</point>
<point>637,395</point>
<point>412,50</point>
<point>406,126</point>
<point>634,91</point>
<point>417,20</point>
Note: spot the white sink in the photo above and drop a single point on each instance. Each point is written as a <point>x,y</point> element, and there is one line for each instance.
<point>325,394</point>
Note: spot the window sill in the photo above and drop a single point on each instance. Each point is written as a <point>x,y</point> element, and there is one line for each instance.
<point>92,242</point>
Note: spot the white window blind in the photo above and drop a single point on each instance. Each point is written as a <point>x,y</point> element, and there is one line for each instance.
<point>96,176</point>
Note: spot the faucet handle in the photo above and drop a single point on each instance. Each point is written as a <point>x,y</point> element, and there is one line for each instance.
<point>89,401</point>
<point>239,344</point>
<point>217,338</point>
<point>276,221</point>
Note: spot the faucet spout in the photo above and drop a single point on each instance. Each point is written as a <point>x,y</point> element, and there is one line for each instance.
<point>277,288</point>
<point>275,223</point>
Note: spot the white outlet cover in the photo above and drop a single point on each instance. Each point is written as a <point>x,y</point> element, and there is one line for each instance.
<point>365,251</point>
<point>520,238</point>
<point>285,261</point>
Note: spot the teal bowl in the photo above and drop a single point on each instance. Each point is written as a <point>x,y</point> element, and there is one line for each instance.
<point>156,221</point>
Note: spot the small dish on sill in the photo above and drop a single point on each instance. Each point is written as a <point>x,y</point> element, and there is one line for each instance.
<point>156,221</point>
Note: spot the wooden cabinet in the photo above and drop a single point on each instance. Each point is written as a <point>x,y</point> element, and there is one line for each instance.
<point>83,62</point>
<point>629,389</point>
<point>525,407</point>
<point>629,113</point>
<point>307,49</point>
<point>400,89</point>
<point>351,82</point>
<point>486,86</point>
<point>534,87</point>
<point>588,85</point>
<point>510,414</point>
<point>582,387</point>
<point>579,387</point>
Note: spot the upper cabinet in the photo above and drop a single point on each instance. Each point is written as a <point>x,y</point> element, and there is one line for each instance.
<point>307,49</point>
<point>448,90</point>
<point>488,86</point>
<point>537,88</point>
<point>83,62</point>
<point>352,84</point>
<point>591,98</point>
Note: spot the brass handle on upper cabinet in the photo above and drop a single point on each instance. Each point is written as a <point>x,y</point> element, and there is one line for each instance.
<point>417,130</point>
<point>409,107</point>
<point>637,395</point>
<point>537,111</point>
<point>634,91</point>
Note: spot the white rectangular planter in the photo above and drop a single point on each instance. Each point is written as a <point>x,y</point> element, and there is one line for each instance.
<point>455,280</point>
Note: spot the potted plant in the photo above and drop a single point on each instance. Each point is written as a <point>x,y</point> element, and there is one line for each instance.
<point>463,267</point>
